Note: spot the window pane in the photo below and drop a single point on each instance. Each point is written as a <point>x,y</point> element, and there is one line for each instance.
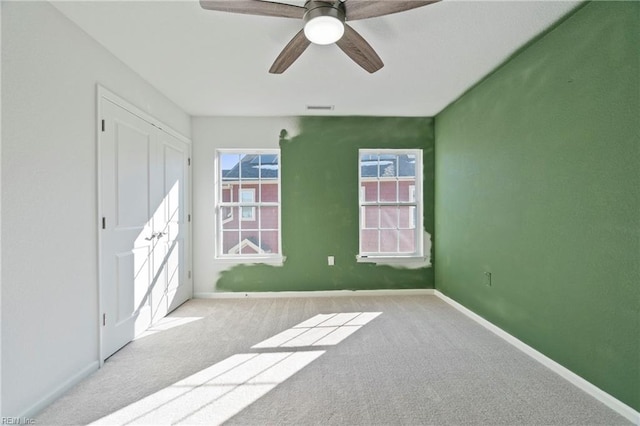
<point>406,217</point>
<point>248,215</point>
<point>388,166</point>
<point>250,243</point>
<point>247,195</point>
<point>269,167</point>
<point>407,240</point>
<point>389,217</point>
<point>369,166</point>
<point>229,168</point>
<point>268,217</point>
<point>249,169</point>
<point>371,217</point>
<point>369,240</point>
<point>389,190</point>
<point>269,240</point>
<point>229,217</point>
<point>388,240</point>
<point>230,240</point>
<point>269,192</point>
<point>226,193</point>
<point>407,165</point>
<point>369,191</point>
<point>407,190</point>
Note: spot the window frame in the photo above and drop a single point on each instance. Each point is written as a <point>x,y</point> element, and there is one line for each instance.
<point>271,258</point>
<point>416,221</point>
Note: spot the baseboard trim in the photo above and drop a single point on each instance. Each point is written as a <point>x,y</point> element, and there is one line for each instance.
<point>327,293</point>
<point>44,402</point>
<point>608,400</point>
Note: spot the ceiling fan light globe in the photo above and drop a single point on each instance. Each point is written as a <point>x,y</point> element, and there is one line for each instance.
<point>324,30</point>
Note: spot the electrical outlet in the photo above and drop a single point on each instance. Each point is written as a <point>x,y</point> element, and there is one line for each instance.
<point>330,260</point>
<point>487,278</point>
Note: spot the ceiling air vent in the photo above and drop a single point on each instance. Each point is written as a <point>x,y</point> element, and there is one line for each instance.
<point>320,107</point>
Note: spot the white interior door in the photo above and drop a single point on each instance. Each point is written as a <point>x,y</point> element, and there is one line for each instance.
<point>172,228</point>
<point>144,185</point>
<point>176,236</point>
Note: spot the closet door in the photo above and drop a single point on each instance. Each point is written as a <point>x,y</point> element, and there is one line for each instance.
<point>171,250</point>
<point>127,154</point>
<point>144,186</point>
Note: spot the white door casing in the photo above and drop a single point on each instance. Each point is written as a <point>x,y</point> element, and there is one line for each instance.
<point>144,256</point>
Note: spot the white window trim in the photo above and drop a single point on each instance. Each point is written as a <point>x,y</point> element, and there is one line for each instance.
<point>412,197</point>
<point>393,258</point>
<point>274,259</point>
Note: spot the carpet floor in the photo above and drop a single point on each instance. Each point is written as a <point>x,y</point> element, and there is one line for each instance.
<point>367,360</point>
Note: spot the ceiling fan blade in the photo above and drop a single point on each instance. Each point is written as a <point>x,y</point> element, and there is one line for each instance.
<point>363,9</point>
<point>255,7</point>
<point>290,53</point>
<point>359,50</point>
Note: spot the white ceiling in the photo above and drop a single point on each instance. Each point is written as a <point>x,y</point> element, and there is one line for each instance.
<point>214,63</point>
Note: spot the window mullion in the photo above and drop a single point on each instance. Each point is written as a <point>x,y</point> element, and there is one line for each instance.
<point>397,229</point>
<point>246,204</point>
<point>391,203</point>
<point>239,231</point>
<point>258,198</point>
<point>379,248</point>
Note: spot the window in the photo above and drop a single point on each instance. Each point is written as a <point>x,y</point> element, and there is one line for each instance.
<point>248,205</point>
<point>390,204</point>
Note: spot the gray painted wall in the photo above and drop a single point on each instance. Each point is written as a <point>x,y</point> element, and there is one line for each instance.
<point>209,134</point>
<point>50,69</point>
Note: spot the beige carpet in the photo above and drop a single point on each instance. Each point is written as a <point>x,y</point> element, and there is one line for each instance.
<point>382,360</point>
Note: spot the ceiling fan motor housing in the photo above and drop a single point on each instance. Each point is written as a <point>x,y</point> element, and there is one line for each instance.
<point>317,8</point>
<point>322,10</point>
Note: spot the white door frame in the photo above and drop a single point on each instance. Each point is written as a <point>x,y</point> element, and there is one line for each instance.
<point>104,93</point>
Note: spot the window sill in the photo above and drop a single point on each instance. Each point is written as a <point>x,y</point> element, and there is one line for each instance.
<point>395,260</point>
<point>274,261</point>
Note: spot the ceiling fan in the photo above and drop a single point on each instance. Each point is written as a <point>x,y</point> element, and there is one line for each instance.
<point>324,23</point>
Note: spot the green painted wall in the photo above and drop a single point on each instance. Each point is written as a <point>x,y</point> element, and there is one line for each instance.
<point>538,182</point>
<point>320,207</point>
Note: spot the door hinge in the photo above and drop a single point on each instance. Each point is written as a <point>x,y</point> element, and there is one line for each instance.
<point>104,223</point>
<point>188,218</point>
<point>104,319</point>
<point>188,161</point>
<point>189,275</point>
<point>103,125</point>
